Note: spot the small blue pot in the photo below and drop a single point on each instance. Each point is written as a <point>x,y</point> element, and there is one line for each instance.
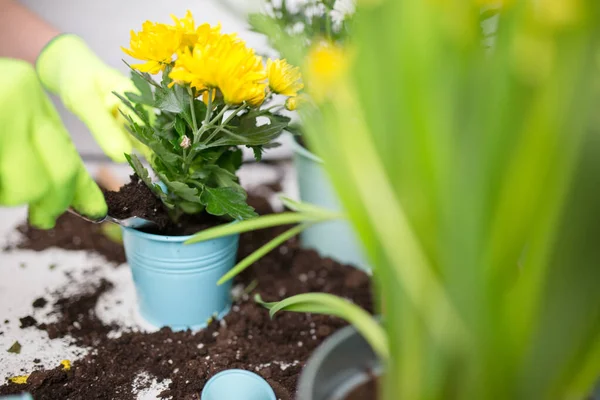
<point>331,239</point>
<point>237,384</point>
<point>176,284</point>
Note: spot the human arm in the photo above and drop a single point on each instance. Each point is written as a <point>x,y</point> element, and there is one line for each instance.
<point>23,34</point>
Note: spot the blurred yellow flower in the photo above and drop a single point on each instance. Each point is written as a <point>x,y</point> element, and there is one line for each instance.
<point>327,64</point>
<point>560,13</point>
<point>284,78</point>
<point>155,44</point>
<point>225,64</point>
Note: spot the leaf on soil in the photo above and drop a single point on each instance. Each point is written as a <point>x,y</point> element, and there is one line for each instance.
<point>15,348</point>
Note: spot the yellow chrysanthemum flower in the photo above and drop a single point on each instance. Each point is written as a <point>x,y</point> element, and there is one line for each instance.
<point>188,61</point>
<point>284,78</point>
<point>190,34</point>
<point>155,44</point>
<point>226,64</point>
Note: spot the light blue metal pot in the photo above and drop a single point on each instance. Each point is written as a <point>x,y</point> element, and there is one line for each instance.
<point>331,239</point>
<point>237,384</point>
<point>176,284</point>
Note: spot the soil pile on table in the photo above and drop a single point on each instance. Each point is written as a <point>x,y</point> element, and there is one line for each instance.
<point>135,199</point>
<point>77,317</point>
<point>246,338</point>
<point>70,233</point>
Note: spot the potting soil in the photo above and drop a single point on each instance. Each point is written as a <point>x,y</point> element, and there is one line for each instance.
<point>70,233</point>
<point>119,366</point>
<point>136,199</point>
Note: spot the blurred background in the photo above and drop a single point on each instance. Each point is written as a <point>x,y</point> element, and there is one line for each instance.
<point>105,26</point>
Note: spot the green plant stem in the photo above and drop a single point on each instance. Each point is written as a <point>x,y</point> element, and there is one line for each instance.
<point>328,27</point>
<point>219,116</point>
<point>188,153</point>
<point>194,123</point>
<point>234,135</point>
<point>208,107</point>
<point>223,124</point>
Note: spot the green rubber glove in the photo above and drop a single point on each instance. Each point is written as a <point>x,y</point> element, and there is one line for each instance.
<point>39,164</point>
<point>85,84</point>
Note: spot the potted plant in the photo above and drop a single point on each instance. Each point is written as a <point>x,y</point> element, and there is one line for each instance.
<point>306,23</point>
<point>215,96</point>
<point>471,176</point>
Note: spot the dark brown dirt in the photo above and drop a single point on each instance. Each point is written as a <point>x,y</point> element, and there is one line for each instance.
<point>247,338</point>
<point>366,391</point>
<point>27,321</point>
<point>70,233</point>
<point>187,225</point>
<point>39,302</point>
<point>136,199</point>
<point>77,317</point>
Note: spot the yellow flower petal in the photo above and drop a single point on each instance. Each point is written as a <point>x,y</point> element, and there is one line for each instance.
<point>156,44</point>
<point>223,62</point>
<point>19,380</point>
<point>66,364</point>
<point>284,78</point>
<point>291,103</point>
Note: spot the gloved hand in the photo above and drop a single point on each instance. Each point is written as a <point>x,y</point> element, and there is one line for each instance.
<point>85,84</point>
<point>39,164</point>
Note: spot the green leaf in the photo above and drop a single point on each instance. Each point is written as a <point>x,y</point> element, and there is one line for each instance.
<point>15,348</point>
<point>231,160</point>
<point>264,221</point>
<point>145,95</point>
<point>146,136</point>
<point>174,100</point>
<point>227,201</point>
<point>137,109</point>
<point>180,126</point>
<point>180,189</point>
<point>190,207</point>
<point>249,134</point>
<point>328,304</point>
<point>262,251</point>
<point>308,208</point>
<point>143,174</point>
<point>214,175</point>
<point>139,169</point>
<point>257,150</point>
<point>199,109</point>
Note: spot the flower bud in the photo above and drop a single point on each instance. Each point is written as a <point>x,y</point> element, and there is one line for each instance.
<point>185,142</point>
<point>291,103</point>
